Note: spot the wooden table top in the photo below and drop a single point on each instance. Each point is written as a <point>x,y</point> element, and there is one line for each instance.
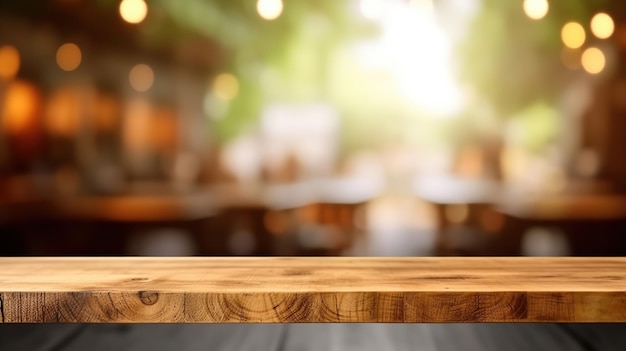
<point>338,289</point>
<point>581,207</point>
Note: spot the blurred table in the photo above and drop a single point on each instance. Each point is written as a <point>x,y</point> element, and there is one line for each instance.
<point>85,225</point>
<point>215,214</point>
<point>594,224</point>
<point>277,212</point>
<point>139,208</point>
<point>456,200</point>
<point>497,216</point>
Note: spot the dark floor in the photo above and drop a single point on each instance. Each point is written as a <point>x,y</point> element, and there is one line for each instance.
<point>427,337</point>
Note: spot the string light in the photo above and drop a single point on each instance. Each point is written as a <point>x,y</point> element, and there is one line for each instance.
<point>573,35</point>
<point>536,9</point>
<point>133,11</point>
<point>269,9</point>
<point>602,25</point>
<point>593,60</point>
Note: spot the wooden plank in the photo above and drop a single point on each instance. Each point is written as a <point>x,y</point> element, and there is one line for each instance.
<point>338,289</point>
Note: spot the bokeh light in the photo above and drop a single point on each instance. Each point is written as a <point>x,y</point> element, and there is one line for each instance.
<point>593,60</point>
<point>69,56</point>
<point>141,77</point>
<point>20,110</point>
<point>322,115</point>
<point>136,126</point>
<point>269,9</point>
<point>9,62</point>
<point>133,11</point>
<point>225,86</point>
<point>602,25</point>
<point>573,35</point>
<point>536,9</point>
<point>62,112</point>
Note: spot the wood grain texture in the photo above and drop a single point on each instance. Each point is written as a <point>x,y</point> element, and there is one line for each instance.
<point>279,290</point>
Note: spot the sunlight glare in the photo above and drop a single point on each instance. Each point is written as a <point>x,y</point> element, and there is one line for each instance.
<point>416,51</point>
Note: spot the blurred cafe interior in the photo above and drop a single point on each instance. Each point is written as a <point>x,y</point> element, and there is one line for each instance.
<point>300,127</point>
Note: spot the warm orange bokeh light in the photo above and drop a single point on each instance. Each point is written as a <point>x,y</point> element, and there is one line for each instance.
<point>69,56</point>
<point>21,107</point>
<point>136,125</point>
<point>9,62</point>
<point>573,35</point>
<point>141,77</point>
<point>593,60</point>
<point>63,112</point>
<point>602,25</point>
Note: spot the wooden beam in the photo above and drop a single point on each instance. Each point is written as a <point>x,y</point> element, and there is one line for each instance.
<point>280,290</point>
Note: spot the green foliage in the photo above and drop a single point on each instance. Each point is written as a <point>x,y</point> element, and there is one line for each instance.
<point>535,126</point>
<point>283,59</point>
<point>512,60</point>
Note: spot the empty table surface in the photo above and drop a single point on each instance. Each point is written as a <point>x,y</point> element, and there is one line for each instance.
<point>277,290</point>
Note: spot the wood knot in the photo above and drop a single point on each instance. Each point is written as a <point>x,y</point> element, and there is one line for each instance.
<point>148,297</point>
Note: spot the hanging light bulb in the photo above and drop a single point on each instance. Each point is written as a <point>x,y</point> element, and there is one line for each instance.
<point>269,9</point>
<point>602,25</point>
<point>536,9</point>
<point>133,11</point>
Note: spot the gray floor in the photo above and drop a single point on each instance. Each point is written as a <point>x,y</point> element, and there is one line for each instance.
<point>305,337</point>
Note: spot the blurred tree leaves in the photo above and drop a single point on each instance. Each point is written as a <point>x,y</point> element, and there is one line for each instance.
<point>513,61</point>
<point>283,59</point>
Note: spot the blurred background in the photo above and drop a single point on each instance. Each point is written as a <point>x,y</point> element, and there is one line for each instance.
<point>301,127</point>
